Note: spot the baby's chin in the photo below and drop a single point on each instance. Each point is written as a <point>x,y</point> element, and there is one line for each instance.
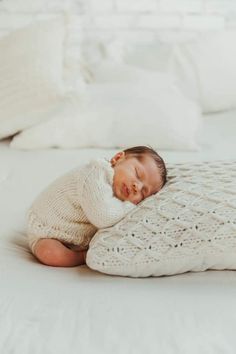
<point>121,197</point>
<point>124,199</point>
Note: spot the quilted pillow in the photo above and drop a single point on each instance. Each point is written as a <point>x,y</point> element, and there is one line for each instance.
<point>190,225</point>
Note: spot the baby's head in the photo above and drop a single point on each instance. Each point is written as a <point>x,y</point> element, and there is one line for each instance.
<point>138,173</point>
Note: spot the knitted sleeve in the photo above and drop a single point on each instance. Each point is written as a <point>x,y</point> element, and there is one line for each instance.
<point>99,204</point>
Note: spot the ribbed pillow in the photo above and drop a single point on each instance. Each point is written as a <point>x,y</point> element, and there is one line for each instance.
<point>31,65</point>
<point>190,225</point>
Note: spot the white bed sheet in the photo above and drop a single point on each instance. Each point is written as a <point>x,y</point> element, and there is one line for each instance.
<point>76,310</point>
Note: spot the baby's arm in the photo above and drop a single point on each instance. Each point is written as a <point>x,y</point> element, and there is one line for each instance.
<point>99,204</point>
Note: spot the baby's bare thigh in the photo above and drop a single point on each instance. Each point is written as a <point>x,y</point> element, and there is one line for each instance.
<point>47,249</point>
<point>54,253</point>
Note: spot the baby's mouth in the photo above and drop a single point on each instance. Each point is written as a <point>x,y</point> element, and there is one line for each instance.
<point>125,190</point>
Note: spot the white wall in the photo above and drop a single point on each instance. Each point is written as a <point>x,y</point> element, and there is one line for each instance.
<point>129,20</point>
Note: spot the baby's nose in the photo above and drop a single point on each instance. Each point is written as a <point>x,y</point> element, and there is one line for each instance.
<point>136,187</point>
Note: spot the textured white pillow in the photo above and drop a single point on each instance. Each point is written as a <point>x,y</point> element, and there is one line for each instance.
<point>190,225</point>
<point>127,106</point>
<point>31,68</point>
<point>206,69</point>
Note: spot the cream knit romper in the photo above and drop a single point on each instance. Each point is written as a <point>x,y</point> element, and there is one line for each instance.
<point>75,205</point>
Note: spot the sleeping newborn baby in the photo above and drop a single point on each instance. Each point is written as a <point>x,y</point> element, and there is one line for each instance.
<point>66,215</point>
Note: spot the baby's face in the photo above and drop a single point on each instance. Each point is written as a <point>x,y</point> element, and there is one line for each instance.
<point>135,180</point>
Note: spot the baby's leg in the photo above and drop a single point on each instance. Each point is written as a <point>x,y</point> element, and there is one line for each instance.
<point>53,253</point>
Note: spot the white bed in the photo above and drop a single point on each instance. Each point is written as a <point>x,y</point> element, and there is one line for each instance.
<point>77,310</point>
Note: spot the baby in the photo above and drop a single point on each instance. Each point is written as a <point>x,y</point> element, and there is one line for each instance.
<point>66,215</point>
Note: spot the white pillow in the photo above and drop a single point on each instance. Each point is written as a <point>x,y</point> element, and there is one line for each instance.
<point>206,69</point>
<point>31,68</point>
<point>147,109</point>
<point>190,225</point>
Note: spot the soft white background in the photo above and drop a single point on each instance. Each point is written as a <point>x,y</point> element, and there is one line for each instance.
<point>128,20</point>
<point>48,310</point>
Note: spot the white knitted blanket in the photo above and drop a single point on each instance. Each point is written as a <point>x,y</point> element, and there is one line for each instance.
<point>190,225</point>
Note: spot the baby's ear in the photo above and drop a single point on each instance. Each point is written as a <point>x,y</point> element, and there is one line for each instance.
<point>118,157</point>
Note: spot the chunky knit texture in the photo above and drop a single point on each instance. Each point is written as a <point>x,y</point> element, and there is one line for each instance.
<point>74,206</point>
<point>190,225</point>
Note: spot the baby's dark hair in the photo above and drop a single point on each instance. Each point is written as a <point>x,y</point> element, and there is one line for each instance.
<point>140,151</point>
